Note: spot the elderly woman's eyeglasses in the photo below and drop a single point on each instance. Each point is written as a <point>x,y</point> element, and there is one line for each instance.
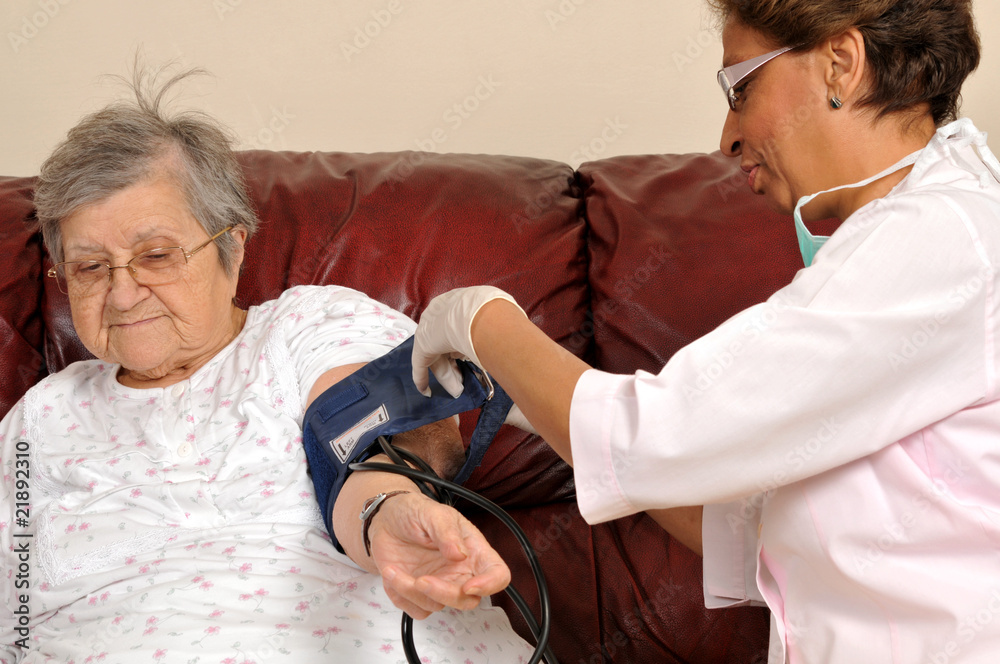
<point>731,76</point>
<point>155,267</point>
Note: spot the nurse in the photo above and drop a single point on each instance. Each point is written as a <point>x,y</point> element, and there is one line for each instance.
<point>845,469</point>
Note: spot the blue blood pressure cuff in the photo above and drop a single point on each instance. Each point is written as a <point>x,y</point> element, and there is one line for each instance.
<point>343,424</point>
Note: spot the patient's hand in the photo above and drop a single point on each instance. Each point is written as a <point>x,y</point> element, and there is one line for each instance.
<point>430,556</point>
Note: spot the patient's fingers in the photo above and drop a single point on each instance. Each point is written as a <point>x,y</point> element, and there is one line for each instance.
<point>436,558</point>
<point>451,594</point>
<point>459,540</point>
<point>401,589</point>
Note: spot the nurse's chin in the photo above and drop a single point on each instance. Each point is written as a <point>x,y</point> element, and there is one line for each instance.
<point>780,205</point>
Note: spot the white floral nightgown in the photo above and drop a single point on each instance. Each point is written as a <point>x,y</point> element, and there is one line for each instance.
<point>179,525</point>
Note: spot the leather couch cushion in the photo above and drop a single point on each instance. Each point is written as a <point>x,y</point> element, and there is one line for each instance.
<point>20,292</point>
<point>678,244</point>
<point>404,227</point>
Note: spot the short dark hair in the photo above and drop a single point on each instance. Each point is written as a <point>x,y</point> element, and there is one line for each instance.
<point>918,51</point>
<point>129,142</point>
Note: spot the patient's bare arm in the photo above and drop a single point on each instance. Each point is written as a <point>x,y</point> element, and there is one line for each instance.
<point>429,555</point>
<point>439,444</point>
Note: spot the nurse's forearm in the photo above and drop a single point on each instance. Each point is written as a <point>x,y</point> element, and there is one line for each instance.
<point>683,523</point>
<point>537,373</point>
<point>540,376</point>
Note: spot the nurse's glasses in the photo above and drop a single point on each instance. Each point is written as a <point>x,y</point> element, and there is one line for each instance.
<point>731,76</point>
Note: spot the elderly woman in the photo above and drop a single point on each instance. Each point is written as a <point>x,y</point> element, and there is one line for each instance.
<point>171,509</point>
<point>847,458</point>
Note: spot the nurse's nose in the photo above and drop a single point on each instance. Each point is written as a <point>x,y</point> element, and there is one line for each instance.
<point>732,141</point>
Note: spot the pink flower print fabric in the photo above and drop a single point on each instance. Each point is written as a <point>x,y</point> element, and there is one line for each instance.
<point>179,524</point>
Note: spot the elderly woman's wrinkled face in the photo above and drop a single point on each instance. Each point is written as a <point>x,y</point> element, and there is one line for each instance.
<point>776,130</point>
<point>151,331</point>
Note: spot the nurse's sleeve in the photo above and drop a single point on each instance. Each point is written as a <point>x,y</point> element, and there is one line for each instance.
<point>729,540</point>
<point>877,340</point>
<point>595,466</point>
<point>729,530</point>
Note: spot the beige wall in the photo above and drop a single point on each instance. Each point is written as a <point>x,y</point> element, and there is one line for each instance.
<point>562,79</point>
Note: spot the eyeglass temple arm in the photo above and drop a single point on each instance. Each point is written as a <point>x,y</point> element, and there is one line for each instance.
<point>747,67</point>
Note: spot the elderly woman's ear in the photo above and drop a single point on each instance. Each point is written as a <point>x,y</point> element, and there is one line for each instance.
<point>239,235</point>
<point>844,60</point>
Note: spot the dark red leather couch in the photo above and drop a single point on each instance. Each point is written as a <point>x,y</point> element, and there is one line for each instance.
<point>623,262</point>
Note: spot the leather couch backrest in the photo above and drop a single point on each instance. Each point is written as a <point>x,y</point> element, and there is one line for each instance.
<point>403,227</point>
<point>623,262</point>
<point>20,292</point>
<point>678,244</point>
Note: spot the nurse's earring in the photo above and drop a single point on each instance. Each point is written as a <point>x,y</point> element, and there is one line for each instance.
<point>835,103</point>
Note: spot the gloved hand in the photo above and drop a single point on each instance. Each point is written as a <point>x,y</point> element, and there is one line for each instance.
<point>444,334</point>
<point>516,418</point>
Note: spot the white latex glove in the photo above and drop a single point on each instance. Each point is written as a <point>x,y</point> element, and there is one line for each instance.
<point>444,335</point>
<point>517,419</point>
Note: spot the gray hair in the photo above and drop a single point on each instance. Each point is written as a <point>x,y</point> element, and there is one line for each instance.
<point>128,143</point>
